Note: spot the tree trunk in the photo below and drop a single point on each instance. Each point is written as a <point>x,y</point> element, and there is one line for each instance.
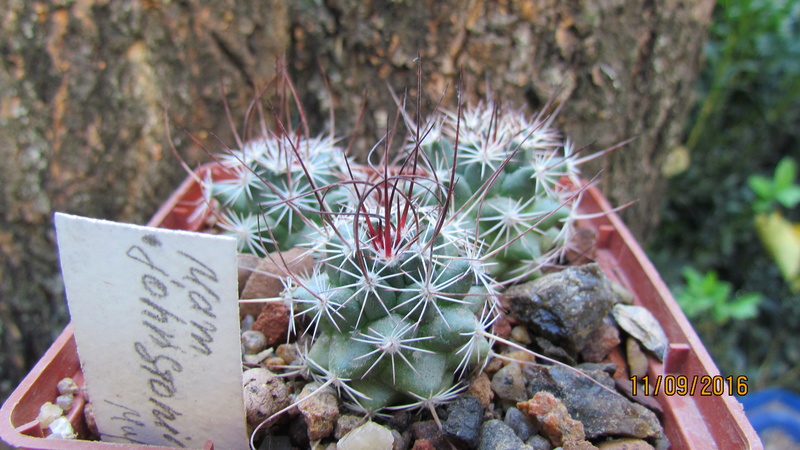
<point>90,88</point>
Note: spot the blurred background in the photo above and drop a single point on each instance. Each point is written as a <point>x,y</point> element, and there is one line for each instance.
<point>93,95</point>
<point>728,244</point>
<point>741,288</point>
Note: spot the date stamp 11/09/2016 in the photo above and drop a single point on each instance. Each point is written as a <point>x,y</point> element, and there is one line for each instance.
<point>691,385</point>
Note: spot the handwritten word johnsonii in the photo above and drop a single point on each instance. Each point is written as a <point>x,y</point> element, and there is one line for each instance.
<point>177,315</point>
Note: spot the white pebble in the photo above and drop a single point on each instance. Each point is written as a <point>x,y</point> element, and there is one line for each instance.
<point>65,401</point>
<point>61,429</point>
<point>67,386</point>
<point>48,413</point>
<point>258,358</point>
<point>369,436</point>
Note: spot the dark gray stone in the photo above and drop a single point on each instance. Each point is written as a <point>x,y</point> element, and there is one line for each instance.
<point>520,423</point>
<point>564,307</point>
<point>464,421</point>
<point>539,442</point>
<point>495,435</point>
<point>276,443</point>
<point>602,410</point>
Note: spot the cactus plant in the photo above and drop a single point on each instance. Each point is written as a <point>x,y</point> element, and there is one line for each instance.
<point>510,172</point>
<point>410,256</point>
<point>397,301</point>
<point>266,193</point>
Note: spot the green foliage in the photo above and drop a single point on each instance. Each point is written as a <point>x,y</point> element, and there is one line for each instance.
<point>781,238</point>
<point>705,297</point>
<point>781,189</point>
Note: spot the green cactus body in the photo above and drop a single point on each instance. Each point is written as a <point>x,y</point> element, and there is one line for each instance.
<point>407,264</point>
<point>509,170</point>
<point>395,302</point>
<point>265,197</point>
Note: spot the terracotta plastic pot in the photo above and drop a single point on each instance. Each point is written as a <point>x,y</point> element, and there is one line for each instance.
<point>702,422</point>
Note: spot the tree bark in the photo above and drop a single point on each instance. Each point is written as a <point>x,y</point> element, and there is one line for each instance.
<point>89,90</point>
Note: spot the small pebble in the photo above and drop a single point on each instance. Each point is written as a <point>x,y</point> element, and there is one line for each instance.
<point>481,388</point>
<point>520,423</point>
<point>430,432</point>
<point>273,321</point>
<point>495,435</point>
<point>493,365</point>
<point>401,440</point>
<point>464,418</point>
<point>520,334</point>
<point>509,383</point>
<point>623,295</point>
<point>247,322</point>
<point>67,386</point>
<point>62,429</point>
<point>65,401</point>
<point>289,352</point>
<point>640,323</point>
<point>48,413</point>
<point>253,342</point>
<point>553,419</point>
<point>319,411</point>
<point>369,436</point>
<point>521,355</point>
<point>245,263</point>
<point>637,360</point>
<point>258,358</point>
<point>539,442</point>
<point>275,361</point>
<point>264,395</point>
<point>423,444</point>
<point>625,444</point>
<point>91,421</point>
<point>345,424</point>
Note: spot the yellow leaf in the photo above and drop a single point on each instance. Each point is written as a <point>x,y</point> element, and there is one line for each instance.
<point>781,239</point>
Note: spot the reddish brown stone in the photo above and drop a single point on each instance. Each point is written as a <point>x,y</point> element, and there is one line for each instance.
<point>582,247</point>
<point>273,321</point>
<point>423,444</point>
<point>481,388</point>
<point>429,431</point>
<point>615,357</point>
<point>493,366</point>
<point>553,419</point>
<point>320,411</point>
<point>265,281</point>
<point>502,327</point>
<point>602,340</point>
<point>245,262</point>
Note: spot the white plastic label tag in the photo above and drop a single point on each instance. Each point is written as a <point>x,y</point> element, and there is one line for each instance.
<point>156,322</point>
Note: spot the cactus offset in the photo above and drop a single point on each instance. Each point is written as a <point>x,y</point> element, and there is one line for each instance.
<point>509,180</point>
<point>265,197</point>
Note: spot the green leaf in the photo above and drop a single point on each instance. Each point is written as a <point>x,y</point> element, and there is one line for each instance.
<point>762,186</point>
<point>789,197</point>
<point>784,174</point>
<point>745,307</point>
